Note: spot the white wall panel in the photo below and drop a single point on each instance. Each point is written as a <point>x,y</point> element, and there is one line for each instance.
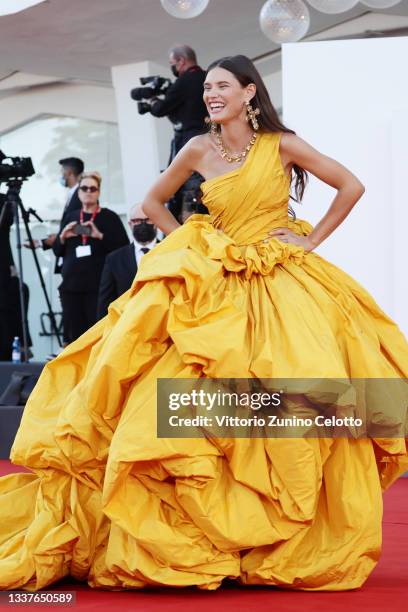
<point>349,99</point>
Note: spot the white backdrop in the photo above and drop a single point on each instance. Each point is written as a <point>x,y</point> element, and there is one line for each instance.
<point>349,99</point>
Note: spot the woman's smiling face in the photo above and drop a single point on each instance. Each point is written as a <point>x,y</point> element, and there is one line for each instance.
<point>224,96</point>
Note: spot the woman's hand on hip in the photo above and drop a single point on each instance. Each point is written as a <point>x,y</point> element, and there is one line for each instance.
<point>286,235</point>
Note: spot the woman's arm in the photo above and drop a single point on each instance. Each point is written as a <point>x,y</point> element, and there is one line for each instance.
<point>294,150</point>
<point>59,245</point>
<point>180,169</point>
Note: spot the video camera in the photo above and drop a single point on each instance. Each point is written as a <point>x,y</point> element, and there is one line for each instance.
<point>158,87</point>
<point>20,168</point>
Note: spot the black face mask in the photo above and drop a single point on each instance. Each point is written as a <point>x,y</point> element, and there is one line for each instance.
<point>144,232</point>
<point>174,70</point>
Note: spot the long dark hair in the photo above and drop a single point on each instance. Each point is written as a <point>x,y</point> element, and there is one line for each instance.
<point>245,72</point>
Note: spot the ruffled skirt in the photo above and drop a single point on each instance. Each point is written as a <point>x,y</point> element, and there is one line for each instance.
<point>111,503</point>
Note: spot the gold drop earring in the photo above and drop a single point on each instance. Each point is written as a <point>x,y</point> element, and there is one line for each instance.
<point>251,115</point>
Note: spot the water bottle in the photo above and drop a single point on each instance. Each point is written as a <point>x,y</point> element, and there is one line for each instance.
<point>16,350</point>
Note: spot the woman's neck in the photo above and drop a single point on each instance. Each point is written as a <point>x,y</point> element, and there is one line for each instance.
<point>89,208</point>
<point>236,135</point>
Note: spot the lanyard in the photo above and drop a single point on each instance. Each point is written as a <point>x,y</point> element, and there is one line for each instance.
<point>81,220</point>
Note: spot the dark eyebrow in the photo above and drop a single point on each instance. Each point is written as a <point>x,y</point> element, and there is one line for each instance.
<point>219,83</point>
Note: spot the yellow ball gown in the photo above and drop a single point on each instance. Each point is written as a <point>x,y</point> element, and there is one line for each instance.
<point>109,503</point>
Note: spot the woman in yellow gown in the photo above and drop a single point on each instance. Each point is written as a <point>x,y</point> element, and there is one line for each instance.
<point>236,293</point>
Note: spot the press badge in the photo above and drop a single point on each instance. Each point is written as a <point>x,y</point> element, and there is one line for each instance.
<point>83,250</point>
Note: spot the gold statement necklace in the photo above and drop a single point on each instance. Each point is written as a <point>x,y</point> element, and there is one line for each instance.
<point>234,157</point>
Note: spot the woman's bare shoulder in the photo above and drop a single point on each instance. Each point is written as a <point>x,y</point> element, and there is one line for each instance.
<point>294,146</point>
<point>199,144</point>
<point>196,152</point>
<point>290,141</point>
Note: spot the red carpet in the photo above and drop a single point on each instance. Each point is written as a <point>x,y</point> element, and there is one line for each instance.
<point>385,590</point>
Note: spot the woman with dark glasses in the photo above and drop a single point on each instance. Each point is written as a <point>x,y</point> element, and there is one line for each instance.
<point>88,236</point>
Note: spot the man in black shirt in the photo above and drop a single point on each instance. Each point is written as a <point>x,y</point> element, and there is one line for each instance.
<point>71,169</point>
<point>10,309</point>
<point>6,262</point>
<point>183,104</point>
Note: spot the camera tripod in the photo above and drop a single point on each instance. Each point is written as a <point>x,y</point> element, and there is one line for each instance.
<point>14,201</point>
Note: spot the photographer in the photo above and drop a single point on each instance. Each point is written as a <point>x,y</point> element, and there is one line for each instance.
<point>183,100</point>
<point>183,104</point>
<point>88,236</point>
<point>6,256</point>
<point>10,309</point>
<point>6,263</point>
